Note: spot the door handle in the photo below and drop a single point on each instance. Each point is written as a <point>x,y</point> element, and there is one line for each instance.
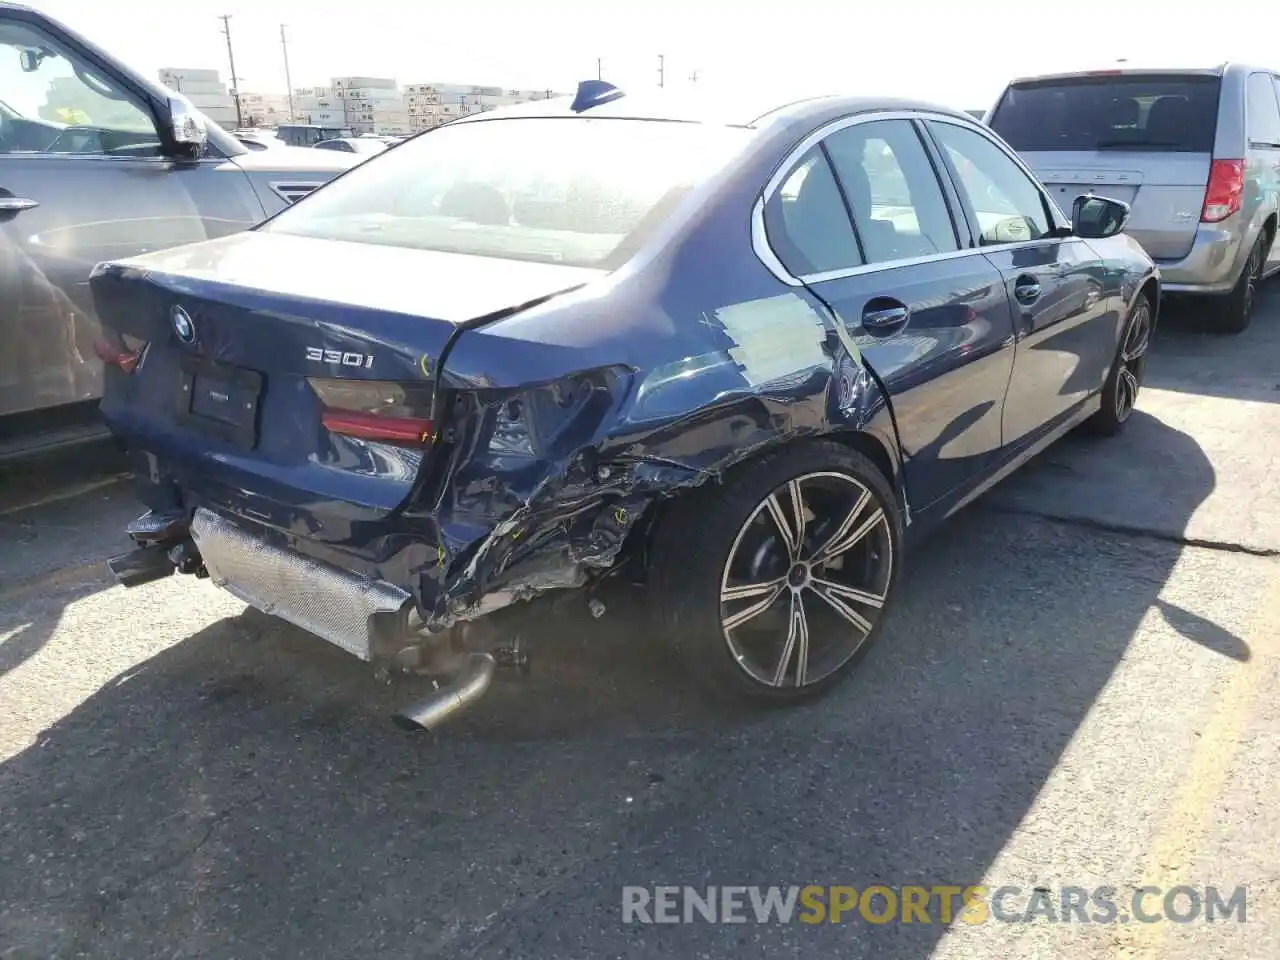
<point>1027,290</point>
<point>16,204</point>
<point>884,315</point>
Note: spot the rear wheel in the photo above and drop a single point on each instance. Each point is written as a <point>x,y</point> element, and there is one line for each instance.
<point>773,586</point>
<point>1120,392</point>
<point>1234,311</point>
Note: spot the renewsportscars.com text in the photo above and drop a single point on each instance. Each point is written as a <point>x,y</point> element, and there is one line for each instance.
<point>940,903</point>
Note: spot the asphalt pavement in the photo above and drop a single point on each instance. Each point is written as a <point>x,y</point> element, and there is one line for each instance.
<point>1078,688</point>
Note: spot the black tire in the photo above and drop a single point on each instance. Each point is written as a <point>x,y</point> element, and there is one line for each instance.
<point>1120,392</point>
<point>1232,313</point>
<point>699,546</point>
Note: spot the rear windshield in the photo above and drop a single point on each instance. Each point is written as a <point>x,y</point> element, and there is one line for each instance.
<point>1175,113</point>
<point>577,191</point>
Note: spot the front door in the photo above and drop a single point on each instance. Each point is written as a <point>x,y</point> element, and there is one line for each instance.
<point>82,180</point>
<point>1055,284</point>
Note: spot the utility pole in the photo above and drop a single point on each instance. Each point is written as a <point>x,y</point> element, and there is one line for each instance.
<point>284,47</point>
<point>599,70</point>
<point>235,82</point>
<point>693,77</point>
<point>661,69</point>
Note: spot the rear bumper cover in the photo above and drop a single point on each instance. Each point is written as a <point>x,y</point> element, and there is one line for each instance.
<point>1213,264</point>
<point>349,610</point>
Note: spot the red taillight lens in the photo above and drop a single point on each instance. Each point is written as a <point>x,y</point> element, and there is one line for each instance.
<point>1223,194</point>
<point>371,426</point>
<point>375,409</point>
<point>113,351</point>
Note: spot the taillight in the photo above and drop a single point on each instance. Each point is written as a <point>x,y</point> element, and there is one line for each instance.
<point>1223,194</point>
<point>375,409</point>
<point>115,351</point>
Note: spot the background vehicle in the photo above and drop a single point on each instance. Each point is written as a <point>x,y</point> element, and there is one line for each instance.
<point>309,134</point>
<point>95,163</point>
<point>811,333</point>
<point>1196,153</point>
<point>258,139</point>
<point>363,145</point>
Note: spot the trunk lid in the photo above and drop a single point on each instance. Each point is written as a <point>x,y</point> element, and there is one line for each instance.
<point>1143,137</point>
<point>249,340</point>
<point>1165,191</point>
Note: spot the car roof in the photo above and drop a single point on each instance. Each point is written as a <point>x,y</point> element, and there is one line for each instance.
<point>739,110</point>
<point>1152,69</point>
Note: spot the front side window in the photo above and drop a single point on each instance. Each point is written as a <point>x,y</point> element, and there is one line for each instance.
<point>52,102</point>
<point>1008,204</point>
<point>807,223</point>
<point>572,190</point>
<point>897,202</point>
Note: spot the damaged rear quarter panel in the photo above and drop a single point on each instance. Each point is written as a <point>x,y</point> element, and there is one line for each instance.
<point>697,359</point>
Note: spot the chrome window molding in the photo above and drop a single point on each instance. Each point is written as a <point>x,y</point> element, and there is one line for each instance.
<point>760,237</point>
<point>290,191</point>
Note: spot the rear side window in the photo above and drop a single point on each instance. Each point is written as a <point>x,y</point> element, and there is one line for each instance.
<point>891,185</point>
<point>807,223</point>
<point>1263,111</point>
<point>1150,113</point>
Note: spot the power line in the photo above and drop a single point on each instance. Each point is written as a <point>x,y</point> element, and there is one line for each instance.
<point>235,83</point>
<point>284,47</point>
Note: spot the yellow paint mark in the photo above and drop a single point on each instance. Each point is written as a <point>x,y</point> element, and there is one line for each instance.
<point>1186,825</point>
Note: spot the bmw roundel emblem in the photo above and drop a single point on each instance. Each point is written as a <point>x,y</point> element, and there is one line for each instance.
<point>182,325</point>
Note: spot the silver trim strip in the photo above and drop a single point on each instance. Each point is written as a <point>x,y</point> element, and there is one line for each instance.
<point>281,189</point>
<point>760,238</point>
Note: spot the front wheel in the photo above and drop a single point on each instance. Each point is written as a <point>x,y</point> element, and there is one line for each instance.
<point>1120,392</point>
<point>773,586</point>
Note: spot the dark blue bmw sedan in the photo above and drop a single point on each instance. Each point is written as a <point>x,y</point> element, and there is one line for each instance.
<point>751,358</point>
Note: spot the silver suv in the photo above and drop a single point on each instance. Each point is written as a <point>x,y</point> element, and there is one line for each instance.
<point>97,162</point>
<point>1196,153</point>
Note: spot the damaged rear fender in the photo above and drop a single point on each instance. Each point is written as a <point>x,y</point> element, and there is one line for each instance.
<point>554,486</point>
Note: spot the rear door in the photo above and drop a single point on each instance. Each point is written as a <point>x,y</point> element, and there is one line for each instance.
<point>82,180</point>
<point>1065,322</point>
<point>1144,138</point>
<point>930,317</point>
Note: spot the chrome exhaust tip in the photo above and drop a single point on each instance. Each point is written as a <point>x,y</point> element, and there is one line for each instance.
<point>468,686</point>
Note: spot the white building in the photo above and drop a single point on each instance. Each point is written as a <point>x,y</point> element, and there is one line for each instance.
<point>372,105</point>
<point>431,104</point>
<point>264,109</point>
<point>205,90</point>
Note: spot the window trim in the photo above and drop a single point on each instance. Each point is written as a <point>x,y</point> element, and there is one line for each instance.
<point>760,238</point>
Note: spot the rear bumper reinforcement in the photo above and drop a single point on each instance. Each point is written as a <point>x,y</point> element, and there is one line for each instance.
<point>334,604</point>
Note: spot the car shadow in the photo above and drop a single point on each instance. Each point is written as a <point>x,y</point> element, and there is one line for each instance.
<point>1190,358</point>
<point>244,792</point>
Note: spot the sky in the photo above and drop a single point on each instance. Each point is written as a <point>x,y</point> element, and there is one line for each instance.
<point>955,53</point>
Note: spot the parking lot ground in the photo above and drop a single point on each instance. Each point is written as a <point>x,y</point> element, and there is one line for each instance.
<point>1078,688</point>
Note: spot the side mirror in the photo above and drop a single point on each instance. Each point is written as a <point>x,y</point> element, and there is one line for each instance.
<point>186,124</point>
<point>1096,218</point>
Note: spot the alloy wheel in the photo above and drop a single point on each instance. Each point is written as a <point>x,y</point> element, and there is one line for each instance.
<point>1252,271</point>
<point>806,580</point>
<point>1133,360</point>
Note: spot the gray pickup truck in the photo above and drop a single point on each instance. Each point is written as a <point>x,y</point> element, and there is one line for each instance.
<point>98,163</point>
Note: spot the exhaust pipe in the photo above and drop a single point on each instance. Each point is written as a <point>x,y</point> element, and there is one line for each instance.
<point>468,686</point>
